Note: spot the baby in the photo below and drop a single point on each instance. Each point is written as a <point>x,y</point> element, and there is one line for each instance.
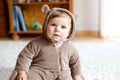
<point>52,56</point>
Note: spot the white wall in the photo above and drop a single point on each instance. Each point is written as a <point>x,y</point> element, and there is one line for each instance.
<point>94,15</point>
<point>110,18</point>
<point>88,14</point>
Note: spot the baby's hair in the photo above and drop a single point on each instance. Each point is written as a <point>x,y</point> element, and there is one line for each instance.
<point>58,14</point>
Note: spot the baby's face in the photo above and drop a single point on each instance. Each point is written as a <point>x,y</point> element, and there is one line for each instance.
<point>58,28</point>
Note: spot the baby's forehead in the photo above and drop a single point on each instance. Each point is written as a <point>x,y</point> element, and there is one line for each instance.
<point>64,17</point>
<point>61,19</point>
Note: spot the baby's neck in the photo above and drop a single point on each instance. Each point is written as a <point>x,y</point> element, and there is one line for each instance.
<point>58,44</point>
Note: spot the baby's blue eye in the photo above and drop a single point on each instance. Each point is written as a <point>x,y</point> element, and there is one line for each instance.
<point>53,24</point>
<point>63,27</point>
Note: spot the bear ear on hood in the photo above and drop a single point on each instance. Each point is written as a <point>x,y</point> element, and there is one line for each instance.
<point>45,9</point>
<point>76,16</point>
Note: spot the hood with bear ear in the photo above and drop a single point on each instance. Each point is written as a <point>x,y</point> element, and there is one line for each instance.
<point>45,8</point>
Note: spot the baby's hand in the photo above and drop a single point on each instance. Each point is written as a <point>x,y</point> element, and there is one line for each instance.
<point>77,78</point>
<point>21,75</point>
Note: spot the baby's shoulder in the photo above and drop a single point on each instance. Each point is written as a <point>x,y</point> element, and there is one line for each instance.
<point>70,44</point>
<point>39,41</point>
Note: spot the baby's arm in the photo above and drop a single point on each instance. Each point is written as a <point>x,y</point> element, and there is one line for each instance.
<point>75,66</point>
<point>21,75</point>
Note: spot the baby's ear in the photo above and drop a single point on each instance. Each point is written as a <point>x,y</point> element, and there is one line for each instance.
<point>45,8</point>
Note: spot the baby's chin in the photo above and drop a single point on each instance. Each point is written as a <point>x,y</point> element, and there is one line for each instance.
<point>59,40</point>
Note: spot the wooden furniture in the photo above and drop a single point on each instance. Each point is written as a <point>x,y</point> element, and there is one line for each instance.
<point>33,12</point>
<point>3,19</point>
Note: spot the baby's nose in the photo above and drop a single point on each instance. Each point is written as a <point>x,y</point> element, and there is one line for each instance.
<point>57,28</point>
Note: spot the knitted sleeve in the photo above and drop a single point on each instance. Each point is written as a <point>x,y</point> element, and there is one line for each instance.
<point>25,58</point>
<point>75,64</point>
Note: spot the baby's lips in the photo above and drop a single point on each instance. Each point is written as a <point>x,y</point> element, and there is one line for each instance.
<point>56,35</point>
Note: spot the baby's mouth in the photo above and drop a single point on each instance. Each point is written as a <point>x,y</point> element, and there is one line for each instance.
<point>56,35</point>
